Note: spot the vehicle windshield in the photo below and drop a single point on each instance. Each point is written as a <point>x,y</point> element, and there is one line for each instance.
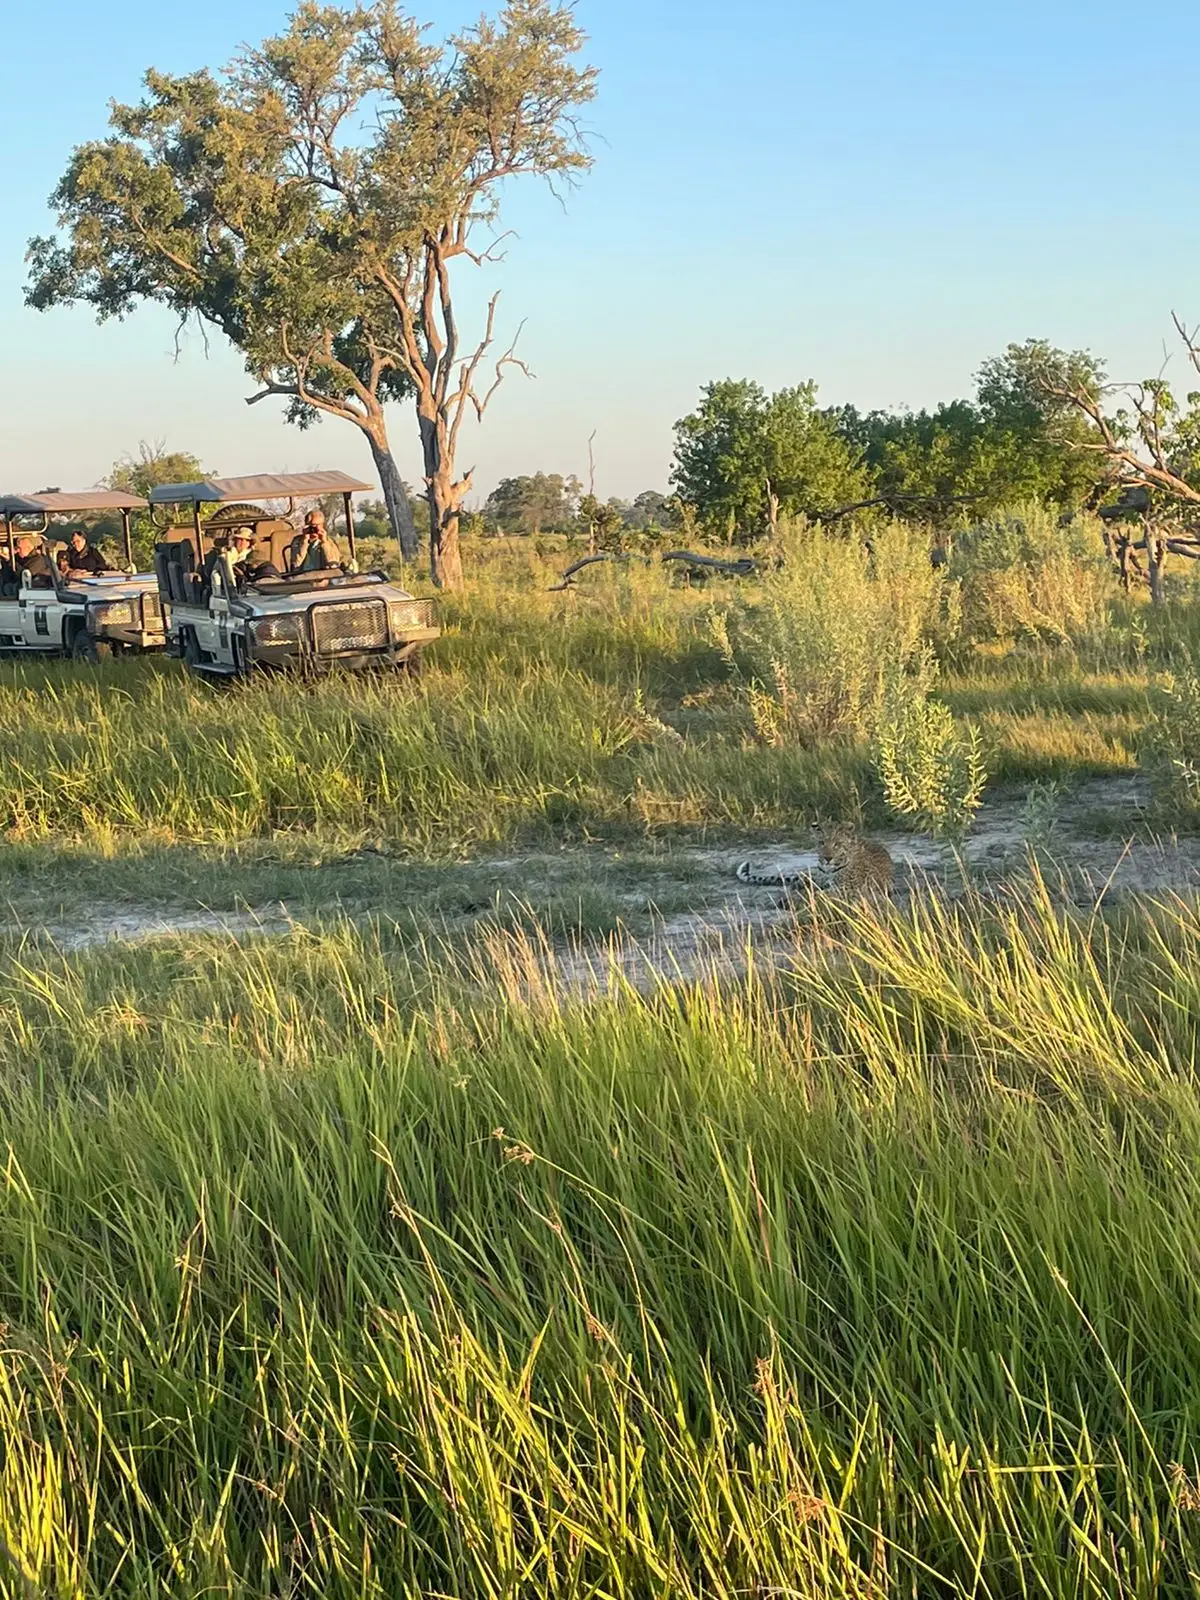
<point>299,582</point>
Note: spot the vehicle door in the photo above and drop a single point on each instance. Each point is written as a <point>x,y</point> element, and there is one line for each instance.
<point>216,635</point>
<point>40,616</point>
<point>10,621</point>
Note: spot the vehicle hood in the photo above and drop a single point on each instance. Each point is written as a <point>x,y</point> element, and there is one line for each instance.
<point>275,605</point>
<point>114,586</point>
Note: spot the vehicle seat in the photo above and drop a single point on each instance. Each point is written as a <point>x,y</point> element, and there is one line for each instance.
<point>175,564</point>
<point>162,570</point>
<point>194,590</point>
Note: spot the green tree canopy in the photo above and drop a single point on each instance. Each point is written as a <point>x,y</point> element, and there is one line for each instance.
<point>309,203</point>
<point>744,455</point>
<point>153,465</point>
<point>1012,442</point>
<point>651,509</point>
<point>540,503</point>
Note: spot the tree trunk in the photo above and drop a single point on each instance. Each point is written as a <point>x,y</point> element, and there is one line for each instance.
<point>1156,555</point>
<point>1123,560</point>
<point>445,557</point>
<point>445,497</point>
<point>399,511</point>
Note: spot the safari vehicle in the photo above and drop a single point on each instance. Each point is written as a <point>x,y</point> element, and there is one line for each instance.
<point>226,628</point>
<point>90,618</point>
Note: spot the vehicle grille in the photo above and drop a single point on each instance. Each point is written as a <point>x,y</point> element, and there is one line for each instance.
<point>152,612</point>
<point>362,626</point>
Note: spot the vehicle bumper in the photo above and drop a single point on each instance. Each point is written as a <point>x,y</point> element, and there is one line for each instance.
<point>132,638</point>
<point>307,660</point>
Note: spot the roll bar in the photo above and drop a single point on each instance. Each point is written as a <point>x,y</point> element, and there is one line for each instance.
<point>288,486</point>
<point>53,502</point>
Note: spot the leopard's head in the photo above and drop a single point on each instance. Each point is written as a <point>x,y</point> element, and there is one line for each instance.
<point>834,844</point>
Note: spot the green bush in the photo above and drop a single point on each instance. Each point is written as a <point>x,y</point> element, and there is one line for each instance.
<point>1026,575</point>
<point>1170,755</point>
<point>814,645</point>
<point>930,771</point>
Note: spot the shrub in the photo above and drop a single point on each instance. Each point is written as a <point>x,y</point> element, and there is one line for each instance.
<point>930,770</point>
<point>815,643</point>
<point>1026,576</point>
<point>1170,754</point>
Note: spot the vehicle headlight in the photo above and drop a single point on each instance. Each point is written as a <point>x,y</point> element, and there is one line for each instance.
<point>115,612</point>
<point>406,614</point>
<point>277,630</point>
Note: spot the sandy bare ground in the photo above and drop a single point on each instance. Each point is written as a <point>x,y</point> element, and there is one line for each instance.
<point>1100,846</point>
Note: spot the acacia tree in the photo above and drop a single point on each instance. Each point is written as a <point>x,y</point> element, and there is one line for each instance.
<point>309,202</point>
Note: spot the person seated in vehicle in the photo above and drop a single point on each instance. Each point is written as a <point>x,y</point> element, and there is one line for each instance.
<point>312,550</point>
<point>32,559</point>
<point>248,567</point>
<point>239,546</point>
<point>83,559</point>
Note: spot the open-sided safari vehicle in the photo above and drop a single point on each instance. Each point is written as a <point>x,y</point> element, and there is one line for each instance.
<point>88,617</point>
<point>224,624</point>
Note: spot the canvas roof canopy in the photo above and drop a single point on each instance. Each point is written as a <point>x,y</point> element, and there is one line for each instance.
<point>52,503</point>
<point>260,486</point>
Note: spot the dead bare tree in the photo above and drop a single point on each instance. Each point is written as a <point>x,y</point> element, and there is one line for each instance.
<point>591,494</point>
<point>1148,442</point>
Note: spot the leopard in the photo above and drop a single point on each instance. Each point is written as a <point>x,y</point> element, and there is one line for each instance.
<point>851,864</point>
<point>848,863</point>
<point>773,880</point>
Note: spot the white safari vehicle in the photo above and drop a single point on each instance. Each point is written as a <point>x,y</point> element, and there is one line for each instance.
<point>226,623</point>
<point>90,618</point>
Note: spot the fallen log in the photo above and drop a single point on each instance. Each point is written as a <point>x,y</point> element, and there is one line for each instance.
<point>744,567</point>
<point>568,577</point>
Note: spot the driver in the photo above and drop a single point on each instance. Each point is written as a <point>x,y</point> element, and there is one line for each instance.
<point>247,568</point>
<point>238,545</point>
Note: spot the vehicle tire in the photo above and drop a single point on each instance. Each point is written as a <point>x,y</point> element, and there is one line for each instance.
<point>86,647</point>
<point>413,664</point>
<point>191,650</point>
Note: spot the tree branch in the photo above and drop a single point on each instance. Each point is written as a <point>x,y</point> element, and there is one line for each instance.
<point>508,359</point>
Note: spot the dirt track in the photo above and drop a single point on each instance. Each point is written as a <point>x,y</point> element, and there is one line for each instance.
<point>683,907</point>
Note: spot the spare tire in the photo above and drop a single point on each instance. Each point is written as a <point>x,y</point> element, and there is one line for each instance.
<point>238,514</point>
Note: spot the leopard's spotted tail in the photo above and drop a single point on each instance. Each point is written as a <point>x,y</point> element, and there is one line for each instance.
<point>773,880</point>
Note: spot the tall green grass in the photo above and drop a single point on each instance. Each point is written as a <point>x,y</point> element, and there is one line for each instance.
<point>544,715</point>
<point>334,1267</point>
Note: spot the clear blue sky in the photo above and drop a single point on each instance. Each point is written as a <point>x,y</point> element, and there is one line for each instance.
<point>876,196</point>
